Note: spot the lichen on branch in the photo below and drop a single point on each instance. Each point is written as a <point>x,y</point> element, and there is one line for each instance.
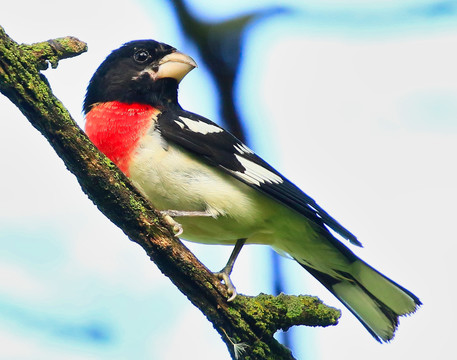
<point>51,51</point>
<point>247,324</point>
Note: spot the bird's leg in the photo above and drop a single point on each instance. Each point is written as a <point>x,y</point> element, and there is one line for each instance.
<point>175,213</point>
<point>177,227</point>
<point>224,274</point>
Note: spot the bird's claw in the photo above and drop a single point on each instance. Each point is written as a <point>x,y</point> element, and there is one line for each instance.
<point>177,227</point>
<point>231,290</point>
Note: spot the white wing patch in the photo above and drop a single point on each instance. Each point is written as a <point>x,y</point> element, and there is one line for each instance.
<point>200,126</point>
<point>181,125</point>
<point>256,174</point>
<point>243,149</point>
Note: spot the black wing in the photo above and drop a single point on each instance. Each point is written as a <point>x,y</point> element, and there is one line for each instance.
<point>220,148</point>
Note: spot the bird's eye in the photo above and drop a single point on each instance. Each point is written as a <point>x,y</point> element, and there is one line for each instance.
<point>141,56</point>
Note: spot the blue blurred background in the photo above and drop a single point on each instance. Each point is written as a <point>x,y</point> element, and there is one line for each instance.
<point>355,103</point>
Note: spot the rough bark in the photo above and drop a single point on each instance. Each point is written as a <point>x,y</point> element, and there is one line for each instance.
<point>247,324</point>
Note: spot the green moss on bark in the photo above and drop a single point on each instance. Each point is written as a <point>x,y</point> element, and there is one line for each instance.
<point>251,321</point>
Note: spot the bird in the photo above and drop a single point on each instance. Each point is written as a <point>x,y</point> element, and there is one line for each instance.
<point>214,189</point>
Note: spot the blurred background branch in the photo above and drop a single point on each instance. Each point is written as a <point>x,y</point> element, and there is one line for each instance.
<point>251,321</point>
<point>355,102</point>
<point>220,45</point>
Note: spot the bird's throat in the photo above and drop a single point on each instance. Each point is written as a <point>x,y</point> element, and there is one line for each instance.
<point>116,128</point>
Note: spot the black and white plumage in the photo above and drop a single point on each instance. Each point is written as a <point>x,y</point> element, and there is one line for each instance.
<point>220,190</point>
<point>221,149</point>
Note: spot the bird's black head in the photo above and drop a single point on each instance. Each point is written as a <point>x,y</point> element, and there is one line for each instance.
<point>143,71</point>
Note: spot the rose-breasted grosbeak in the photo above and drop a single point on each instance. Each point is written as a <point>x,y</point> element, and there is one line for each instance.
<point>218,190</point>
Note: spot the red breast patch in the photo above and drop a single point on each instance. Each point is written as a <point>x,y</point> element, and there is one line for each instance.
<point>116,129</point>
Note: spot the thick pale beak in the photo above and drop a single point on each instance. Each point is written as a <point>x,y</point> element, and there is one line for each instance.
<point>175,65</point>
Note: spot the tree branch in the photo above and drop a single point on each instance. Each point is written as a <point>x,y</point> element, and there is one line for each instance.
<point>250,321</point>
<point>53,50</point>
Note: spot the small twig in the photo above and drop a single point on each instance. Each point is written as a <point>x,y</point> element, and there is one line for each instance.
<point>51,51</point>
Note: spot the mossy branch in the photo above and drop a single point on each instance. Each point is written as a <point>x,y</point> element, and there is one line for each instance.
<point>247,325</point>
<point>51,51</point>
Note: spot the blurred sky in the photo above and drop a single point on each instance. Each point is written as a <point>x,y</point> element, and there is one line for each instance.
<point>355,103</point>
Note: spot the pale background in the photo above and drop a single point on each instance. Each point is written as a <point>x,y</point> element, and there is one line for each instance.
<point>356,104</point>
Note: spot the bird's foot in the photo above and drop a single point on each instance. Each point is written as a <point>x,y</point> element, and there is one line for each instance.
<point>224,275</point>
<point>177,227</point>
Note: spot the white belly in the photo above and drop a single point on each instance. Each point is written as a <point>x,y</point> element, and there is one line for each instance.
<point>174,180</point>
